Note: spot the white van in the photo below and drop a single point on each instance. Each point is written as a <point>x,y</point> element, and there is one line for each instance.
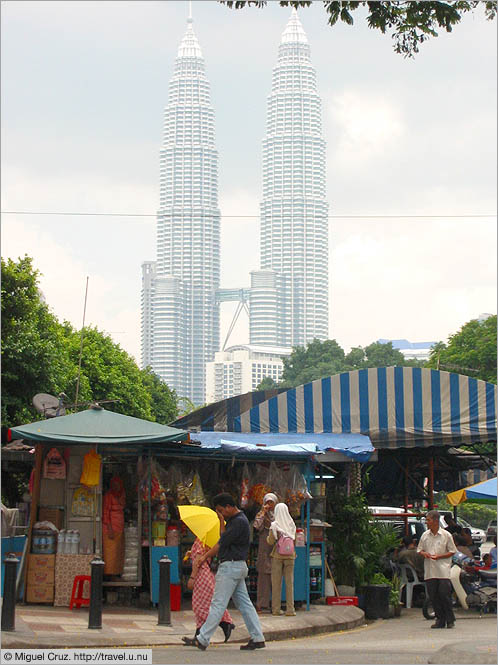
<point>416,525</point>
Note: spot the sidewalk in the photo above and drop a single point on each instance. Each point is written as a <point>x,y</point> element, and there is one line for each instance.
<point>39,626</point>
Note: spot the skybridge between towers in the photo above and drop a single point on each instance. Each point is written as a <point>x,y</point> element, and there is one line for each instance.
<point>233,295</point>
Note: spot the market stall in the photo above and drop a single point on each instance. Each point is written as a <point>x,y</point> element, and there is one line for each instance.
<point>413,416</point>
<point>158,470</point>
<point>75,513</point>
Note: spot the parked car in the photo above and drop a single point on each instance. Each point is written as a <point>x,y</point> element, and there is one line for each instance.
<point>478,535</point>
<point>491,530</point>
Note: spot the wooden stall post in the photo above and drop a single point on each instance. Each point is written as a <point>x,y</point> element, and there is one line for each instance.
<point>34,503</point>
<point>431,483</point>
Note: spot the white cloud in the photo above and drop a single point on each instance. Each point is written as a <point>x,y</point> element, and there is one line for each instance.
<point>368,124</point>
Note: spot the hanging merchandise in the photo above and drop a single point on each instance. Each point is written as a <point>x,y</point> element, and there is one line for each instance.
<point>259,485</point>
<point>276,480</point>
<point>158,482</point>
<point>83,503</point>
<point>54,466</point>
<point>297,491</point>
<point>90,475</point>
<point>244,488</point>
<point>195,493</point>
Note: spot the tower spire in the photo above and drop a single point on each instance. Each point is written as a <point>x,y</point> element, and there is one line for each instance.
<point>190,11</point>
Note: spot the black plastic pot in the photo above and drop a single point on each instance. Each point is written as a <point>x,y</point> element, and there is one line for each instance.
<point>377,601</point>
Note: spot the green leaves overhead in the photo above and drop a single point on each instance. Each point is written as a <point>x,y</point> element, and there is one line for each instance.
<point>409,23</point>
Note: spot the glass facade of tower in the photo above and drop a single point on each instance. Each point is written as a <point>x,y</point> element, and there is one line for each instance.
<point>181,333</point>
<point>294,211</point>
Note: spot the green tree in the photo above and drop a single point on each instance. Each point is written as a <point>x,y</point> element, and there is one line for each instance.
<point>164,401</point>
<point>316,360</point>
<point>40,354</point>
<point>382,355</point>
<point>409,23</point>
<point>34,355</point>
<point>267,384</point>
<point>108,372</point>
<point>470,351</point>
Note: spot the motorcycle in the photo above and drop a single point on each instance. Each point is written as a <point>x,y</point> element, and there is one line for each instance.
<point>474,588</point>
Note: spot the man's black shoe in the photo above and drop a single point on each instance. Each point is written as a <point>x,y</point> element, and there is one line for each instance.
<point>193,642</point>
<point>250,646</point>
<point>438,624</point>
<point>451,624</point>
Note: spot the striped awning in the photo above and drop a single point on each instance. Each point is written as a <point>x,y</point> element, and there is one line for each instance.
<point>394,406</point>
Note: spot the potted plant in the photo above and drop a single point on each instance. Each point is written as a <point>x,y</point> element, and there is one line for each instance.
<point>393,594</point>
<point>358,542</point>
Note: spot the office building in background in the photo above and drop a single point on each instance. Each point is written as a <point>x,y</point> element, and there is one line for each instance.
<point>180,314</point>
<point>289,294</point>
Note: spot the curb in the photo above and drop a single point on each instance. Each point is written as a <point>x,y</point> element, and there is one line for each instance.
<point>352,617</point>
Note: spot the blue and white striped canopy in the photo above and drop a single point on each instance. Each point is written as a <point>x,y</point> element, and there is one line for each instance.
<point>394,406</point>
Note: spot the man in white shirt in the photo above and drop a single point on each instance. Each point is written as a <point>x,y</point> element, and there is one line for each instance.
<point>437,547</point>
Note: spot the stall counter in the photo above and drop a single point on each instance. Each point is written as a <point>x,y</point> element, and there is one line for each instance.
<point>66,567</point>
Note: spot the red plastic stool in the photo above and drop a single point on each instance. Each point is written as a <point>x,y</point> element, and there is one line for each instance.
<point>77,592</point>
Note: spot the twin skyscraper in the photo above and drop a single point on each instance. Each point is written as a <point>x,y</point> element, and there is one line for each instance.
<point>181,294</point>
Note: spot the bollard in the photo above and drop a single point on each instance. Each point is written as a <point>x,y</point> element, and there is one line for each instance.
<point>95,614</point>
<point>164,618</point>
<point>9,592</point>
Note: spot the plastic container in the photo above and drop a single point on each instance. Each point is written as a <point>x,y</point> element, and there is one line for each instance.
<point>342,600</point>
<point>61,541</point>
<point>75,545</point>
<point>172,536</point>
<point>300,538</point>
<point>43,542</point>
<point>377,601</point>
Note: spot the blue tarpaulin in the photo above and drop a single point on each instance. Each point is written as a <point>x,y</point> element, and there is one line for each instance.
<point>356,446</point>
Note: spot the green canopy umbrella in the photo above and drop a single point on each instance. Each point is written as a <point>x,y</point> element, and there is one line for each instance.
<point>96,425</point>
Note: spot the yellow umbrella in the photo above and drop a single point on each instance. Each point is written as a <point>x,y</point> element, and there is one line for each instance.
<point>203,522</point>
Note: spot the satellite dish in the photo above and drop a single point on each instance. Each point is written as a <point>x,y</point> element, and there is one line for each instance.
<point>49,405</point>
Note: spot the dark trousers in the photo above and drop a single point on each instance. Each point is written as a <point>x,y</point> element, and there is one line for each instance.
<point>439,591</point>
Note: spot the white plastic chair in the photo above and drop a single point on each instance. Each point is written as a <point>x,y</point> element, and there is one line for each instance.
<point>409,579</point>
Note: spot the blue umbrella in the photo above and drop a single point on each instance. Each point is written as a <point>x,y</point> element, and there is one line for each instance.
<point>484,492</point>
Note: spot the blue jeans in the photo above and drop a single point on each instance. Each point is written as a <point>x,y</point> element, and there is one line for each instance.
<point>230,583</point>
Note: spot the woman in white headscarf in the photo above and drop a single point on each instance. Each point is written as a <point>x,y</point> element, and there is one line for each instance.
<point>262,523</point>
<point>282,565</point>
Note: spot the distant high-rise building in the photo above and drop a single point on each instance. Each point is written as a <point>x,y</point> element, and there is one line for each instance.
<point>289,295</point>
<point>410,350</point>
<point>240,369</point>
<point>180,316</point>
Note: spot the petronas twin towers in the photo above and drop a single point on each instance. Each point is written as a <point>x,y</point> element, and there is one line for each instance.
<point>288,299</point>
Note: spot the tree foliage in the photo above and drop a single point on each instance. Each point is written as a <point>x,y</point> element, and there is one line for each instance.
<point>40,354</point>
<point>470,351</point>
<point>319,359</point>
<point>267,384</point>
<point>35,357</point>
<point>409,23</point>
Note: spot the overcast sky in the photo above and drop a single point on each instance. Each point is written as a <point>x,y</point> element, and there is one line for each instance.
<point>84,85</point>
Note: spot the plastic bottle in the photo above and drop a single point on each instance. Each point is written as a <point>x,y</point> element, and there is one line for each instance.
<point>319,580</point>
<point>313,580</point>
<point>61,541</point>
<point>75,545</point>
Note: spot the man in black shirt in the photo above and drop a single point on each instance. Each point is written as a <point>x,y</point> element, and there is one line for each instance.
<point>232,550</point>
